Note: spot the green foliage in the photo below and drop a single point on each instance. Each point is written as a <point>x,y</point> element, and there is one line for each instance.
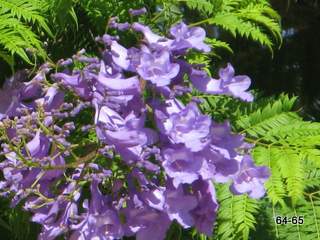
<point>62,15</point>
<point>67,14</point>
<point>215,43</point>
<point>76,23</point>
<point>220,107</point>
<point>15,223</point>
<point>201,5</point>
<point>284,142</point>
<point>289,146</point>
<point>21,23</point>
<point>99,11</point>
<point>251,19</point>
<point>236,216</point>
<point>196,58</point>
<point>308,209</point>
<point>25,24</point>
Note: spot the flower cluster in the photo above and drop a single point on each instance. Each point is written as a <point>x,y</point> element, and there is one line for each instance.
<point>155,156</point>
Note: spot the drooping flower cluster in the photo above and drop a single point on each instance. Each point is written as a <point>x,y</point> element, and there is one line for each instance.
<point>154,159</point>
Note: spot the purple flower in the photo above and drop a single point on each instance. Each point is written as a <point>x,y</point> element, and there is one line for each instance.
<point>39,146</point>
<point>18,94</point>
<point>182,165</point>
<point>41,74</point>
<point>113,23</point>
<point>154,198</point>
<point>157,68</point>
<point>119,93</point>
<point>30,91</point>
<point>250,179</point>
<point>186,38</point>
<point>216,166</point>
<point>128,134</point>
<point>228,84</point>
<point>164,155</point>
<point>179,205</point>
<point>55,218</point>
<point>64,63</point>
<point>137,12</point>
<point>98,225</point>
<point>204,214</point>
<point>171,106</point>
<point>117,84</point>
<point>9,102</point>
<point>125,132</point>
<point>120,55</point>
<point>100,221</point>
<point>151,37</point>
<point>47,216</point>
<point>123,26</point>
<point>77,81</point>
<point>224,141</point>
<point>187,126</point>
<point>51,175</point>
<point>11,174</point>
<point>52,99</point>
<point>146,223</point>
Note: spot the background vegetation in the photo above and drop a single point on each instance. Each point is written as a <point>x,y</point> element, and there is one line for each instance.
<point>247,32</point>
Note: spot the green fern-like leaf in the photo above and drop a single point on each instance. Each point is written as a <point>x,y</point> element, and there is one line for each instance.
<point>215,43</point>
<point>236,25</point>
<point>264,15</point>
<point>312,175</point>
<point>308,210</point>
<point>284,143</point>
<point>62,14</point>
<point>236,216</point>
<point>200,5</point>
<point>254,20</point>
<point>27,11</point>
<point>289,146</point>
<point>19,22</point>
<point>275,185</point>
<point>196,58</point>
<point>16,38</point>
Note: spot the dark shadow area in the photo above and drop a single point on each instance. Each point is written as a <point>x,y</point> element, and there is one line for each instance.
<point>295,67</point>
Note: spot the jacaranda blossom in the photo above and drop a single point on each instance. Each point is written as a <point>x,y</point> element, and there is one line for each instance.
<point>250,179</point>
<point>116,146</point>
<point>186,38</point>
<point>227,84</point>
<point>187,126</point>
<point>157,68</point>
